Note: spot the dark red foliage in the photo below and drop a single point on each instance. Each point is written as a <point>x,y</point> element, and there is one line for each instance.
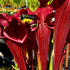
<point>43,3</point>
<point>13,31</point>
<point>57,3</point>
<point>22,36</point>
<point>21,33</point>
<point>42,34</point>
<point>68,37</point>
<point>62,26</point>
<point>3,22</point>
<point>17,52</point>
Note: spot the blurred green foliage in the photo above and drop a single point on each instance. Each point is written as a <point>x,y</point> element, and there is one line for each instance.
<point>32,4</point>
